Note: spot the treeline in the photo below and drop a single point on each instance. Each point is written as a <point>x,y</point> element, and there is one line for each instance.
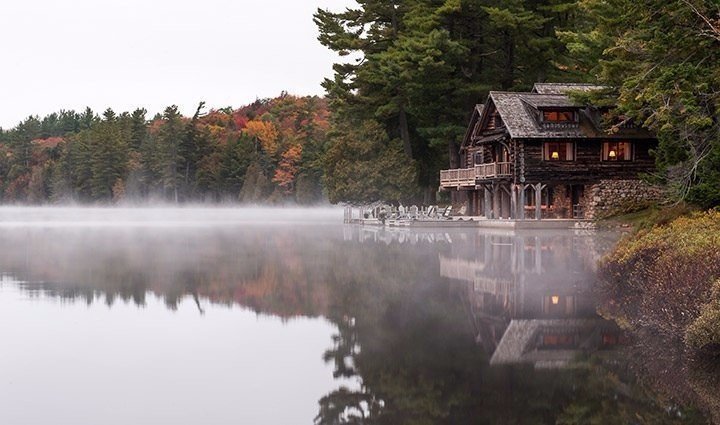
<point>269,151</point>
<point>416,67</point>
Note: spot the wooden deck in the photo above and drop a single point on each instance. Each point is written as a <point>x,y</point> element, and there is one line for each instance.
<point>469,177</point>
<point>478,222</point>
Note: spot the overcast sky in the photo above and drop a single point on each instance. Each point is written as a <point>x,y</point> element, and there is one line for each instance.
<point>153,53</point>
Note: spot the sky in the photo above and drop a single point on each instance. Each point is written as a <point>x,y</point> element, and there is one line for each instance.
<point>127,54</point>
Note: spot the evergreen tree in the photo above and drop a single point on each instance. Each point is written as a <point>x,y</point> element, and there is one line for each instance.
<point>108,160</point>
<point>170,137</point>
<point>421,65</point>
<point>663,60</point>
<point>363,165</point>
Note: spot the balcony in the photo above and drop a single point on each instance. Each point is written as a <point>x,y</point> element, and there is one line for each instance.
<point>460,177</point>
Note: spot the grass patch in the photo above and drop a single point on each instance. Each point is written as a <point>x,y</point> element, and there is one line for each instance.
<point>649,216</point>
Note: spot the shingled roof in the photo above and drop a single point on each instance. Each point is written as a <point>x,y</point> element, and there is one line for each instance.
<point>520,110</point>
<point>515,110</point>
<point>519,343</point>
<point>563,88</point>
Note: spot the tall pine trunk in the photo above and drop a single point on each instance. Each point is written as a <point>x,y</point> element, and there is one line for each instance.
<point>404,132</point>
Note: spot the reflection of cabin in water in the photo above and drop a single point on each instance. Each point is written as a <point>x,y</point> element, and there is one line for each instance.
<point>543,155</point>
<point>530,296</point>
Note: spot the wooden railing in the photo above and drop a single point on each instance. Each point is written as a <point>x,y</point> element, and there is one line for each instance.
<point>469,176</point>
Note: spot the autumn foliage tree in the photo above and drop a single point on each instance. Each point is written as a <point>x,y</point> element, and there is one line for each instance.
<point>256,153</point>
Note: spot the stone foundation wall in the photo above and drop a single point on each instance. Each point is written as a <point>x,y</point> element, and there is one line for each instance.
<point>608,197</point>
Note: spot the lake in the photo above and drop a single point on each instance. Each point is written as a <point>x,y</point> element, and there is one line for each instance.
<point>287,316</point>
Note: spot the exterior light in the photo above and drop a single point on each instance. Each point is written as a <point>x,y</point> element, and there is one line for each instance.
<point>612,154</point>
<point>555,155</point>
<point>555,299</point>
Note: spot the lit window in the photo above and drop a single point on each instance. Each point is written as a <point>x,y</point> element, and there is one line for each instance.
<point>617,151</point>
<point>558,116</point>
<point>558,151</point>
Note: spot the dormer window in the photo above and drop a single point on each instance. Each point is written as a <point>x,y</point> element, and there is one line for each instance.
<point>559,116</point>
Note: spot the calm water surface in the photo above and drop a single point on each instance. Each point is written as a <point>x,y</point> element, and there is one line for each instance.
<point>252,316</point>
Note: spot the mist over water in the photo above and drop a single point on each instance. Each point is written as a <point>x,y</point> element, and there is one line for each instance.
<point>190,216</point>
<point>276,316</point>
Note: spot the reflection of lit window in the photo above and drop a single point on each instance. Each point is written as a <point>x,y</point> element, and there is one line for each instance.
<point>559,151</point>
<point>617,151</point>
<point>613,338</point>
<point>559,305</point>
<point>550,340</point>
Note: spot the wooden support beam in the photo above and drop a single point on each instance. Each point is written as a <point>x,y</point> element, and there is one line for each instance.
<point>513,201</point>
<point>496,208</point>
<point>487,202</point>
<point>521,201</point>
<point>538,201</point>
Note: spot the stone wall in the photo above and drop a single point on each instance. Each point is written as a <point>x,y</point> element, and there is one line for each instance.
<point>608,197</point>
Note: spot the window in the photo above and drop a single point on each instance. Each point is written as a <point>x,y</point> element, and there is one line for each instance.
<point>559,116</point>
<point>559,151</point>
<point>478,158</point>
<point>617,151</point>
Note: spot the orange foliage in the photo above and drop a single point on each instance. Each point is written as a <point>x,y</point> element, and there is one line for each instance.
<point>264,132</point>
<point>288,168</point>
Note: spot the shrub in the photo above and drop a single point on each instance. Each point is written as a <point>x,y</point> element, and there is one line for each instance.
<point>662,277</point>
<point>704,332</point>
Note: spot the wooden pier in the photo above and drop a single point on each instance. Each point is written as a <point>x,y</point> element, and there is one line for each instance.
<point>373,216</point>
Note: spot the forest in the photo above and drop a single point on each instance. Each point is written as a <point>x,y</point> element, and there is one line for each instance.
<point>396,107</point>
<point>268,151</point>
<point>416,68</point>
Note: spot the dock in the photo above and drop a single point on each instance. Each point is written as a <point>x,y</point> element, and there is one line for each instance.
<point>369,216</point>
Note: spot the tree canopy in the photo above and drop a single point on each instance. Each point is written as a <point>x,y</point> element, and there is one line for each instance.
<point>417,67</point>
<point>268,151</point>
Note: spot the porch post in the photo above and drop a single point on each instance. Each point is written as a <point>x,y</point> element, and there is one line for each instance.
<point>513,201</point>
<point>538,255</point>
<point>497,207</point>
<point>488,202</point>
<point>521,207</point>
<point>538,201</point>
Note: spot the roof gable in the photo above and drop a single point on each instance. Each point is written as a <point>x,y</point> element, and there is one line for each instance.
<point>474,118</point>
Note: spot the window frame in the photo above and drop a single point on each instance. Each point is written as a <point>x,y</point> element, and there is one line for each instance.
<point>547,156</point>
<point>606,148</point>
<point>545,112</point>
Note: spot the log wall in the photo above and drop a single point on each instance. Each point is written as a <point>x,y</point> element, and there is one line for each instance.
<point>587,165</point>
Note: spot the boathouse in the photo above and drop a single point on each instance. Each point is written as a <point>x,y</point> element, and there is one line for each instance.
<point>540,154</point>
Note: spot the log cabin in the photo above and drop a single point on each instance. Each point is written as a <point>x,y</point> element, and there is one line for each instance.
<point>540,154</point>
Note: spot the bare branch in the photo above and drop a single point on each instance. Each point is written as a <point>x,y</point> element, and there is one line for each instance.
<point>713,28</point>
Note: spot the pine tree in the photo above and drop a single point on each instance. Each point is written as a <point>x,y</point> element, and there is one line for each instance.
<point>170,138</point>
<point>662,58</point>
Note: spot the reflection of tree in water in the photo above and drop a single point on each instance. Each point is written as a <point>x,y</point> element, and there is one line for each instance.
<point>405,333</point>
<point>269,272</point>
<point>412,345</point>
